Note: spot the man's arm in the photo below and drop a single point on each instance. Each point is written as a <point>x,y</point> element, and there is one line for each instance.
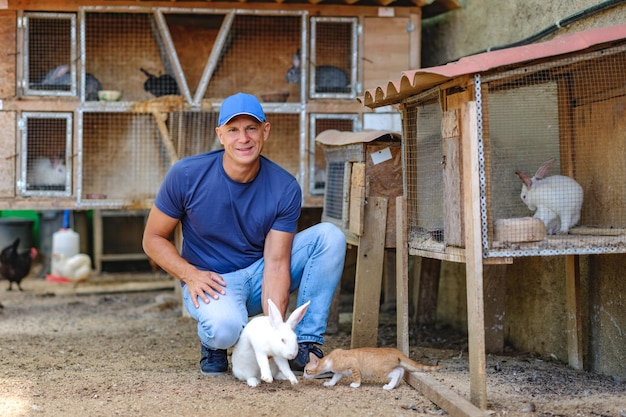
<point>276,275</point>
<point>157,245</point>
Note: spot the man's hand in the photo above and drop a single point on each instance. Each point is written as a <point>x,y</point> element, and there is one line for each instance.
<point>203,284</point>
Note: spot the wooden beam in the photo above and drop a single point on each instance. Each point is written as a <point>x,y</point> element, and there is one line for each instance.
<point>314,7</point>
<point>160,119</point>
<point>369,272</point>
<point>402,276</point>
<point>415,40</point>
<point>444,397</point>
<point>473,257</point>
<point>574,316</point>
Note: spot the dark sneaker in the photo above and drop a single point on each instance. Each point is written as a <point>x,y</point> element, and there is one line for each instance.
<point>213,361</point>
<point>302,358</point>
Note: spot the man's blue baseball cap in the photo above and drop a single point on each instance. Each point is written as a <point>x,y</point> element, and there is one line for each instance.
<point>239,104</point>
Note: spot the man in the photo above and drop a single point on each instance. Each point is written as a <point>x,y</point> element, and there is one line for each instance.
<point>239,211</point>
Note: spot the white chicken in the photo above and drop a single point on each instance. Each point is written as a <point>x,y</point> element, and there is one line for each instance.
<point>76,268</point>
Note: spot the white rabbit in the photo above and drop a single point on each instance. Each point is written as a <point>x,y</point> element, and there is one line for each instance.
<point>557,199</point>
<point>47,171</point>
<point>266,345</point>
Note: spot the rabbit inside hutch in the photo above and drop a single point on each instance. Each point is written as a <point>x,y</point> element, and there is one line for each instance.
<point>328,78</point>
<point>556,199</point>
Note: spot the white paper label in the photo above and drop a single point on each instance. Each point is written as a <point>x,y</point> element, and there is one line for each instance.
<point>381,156</point>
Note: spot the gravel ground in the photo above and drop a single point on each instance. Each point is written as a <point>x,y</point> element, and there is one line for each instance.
<point>107,350</point>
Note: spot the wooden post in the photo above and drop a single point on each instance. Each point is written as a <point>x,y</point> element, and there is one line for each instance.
<point>402,276</point>
<point>369,272</point>
<point>473,257</point>
<point>97,240</point>
<point>574,320</point>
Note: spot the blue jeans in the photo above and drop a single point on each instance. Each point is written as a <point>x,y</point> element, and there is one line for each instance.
<point>317,257</point>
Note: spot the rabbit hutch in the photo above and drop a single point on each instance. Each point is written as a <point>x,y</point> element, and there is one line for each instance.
<point>515,153</point>
<point>363,180</point>
<point>100,98</point>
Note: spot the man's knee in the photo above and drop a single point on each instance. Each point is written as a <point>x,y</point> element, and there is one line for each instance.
<point>220,334</point>
<point>333,235</point>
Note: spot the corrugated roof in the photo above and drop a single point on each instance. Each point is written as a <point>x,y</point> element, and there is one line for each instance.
<point>415,81</point>
<point>337,138</point>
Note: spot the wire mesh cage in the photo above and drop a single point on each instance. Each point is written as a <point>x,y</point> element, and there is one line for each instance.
<point>124,156</point>
<point>361,165</point>
<point>46,153</point>
<point>124,52</point>
<point>50,54</point>
<point>551,138</point>
<point>169,68</point>
<point>333,57</point>
<point>198,54</point>
<point>317,159</point>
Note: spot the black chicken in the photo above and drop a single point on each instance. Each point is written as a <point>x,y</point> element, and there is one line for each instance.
<point>163,85</point>
<point>15,266</point>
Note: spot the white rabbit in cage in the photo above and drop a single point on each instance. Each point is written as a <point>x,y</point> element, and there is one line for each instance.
<point>556,200</point>
<point>47,171</point>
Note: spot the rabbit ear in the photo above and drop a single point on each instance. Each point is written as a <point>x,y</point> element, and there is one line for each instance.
<point>543,169</point>
<point>296,59</point>
<point>61,70</point>
<point>297,315</point>
<point>276,318</point>
<point>527,181</point>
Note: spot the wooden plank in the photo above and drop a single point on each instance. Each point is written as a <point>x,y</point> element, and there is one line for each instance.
<point>473,257</point>
<point>121,287</point>
<point>596,172</point>
<point>97,240</point>
<point>368,277</point>
<point>415,39</point>
<point>452,191</point>
<point>357,198</point>
<point>386,34</point>
<point>8,40</point>
<point>402,276</point>
<point>160,119</point>
<point>8,156</point>
<point>574,316</point>
<point>454,404</point>
<point>314,9</point>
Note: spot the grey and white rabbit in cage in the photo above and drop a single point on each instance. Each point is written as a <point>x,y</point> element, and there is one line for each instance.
<point>47,171</point>
<point>328,79</point>
<point>59,77</point>
<point>556,200</point>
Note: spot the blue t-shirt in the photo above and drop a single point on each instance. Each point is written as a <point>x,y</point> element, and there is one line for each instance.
<point>224,222</point>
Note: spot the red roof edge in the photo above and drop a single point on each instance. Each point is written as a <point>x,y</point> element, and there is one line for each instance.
<point>415,81</point>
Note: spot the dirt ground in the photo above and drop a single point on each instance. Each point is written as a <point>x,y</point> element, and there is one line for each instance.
<point>107,349</point>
